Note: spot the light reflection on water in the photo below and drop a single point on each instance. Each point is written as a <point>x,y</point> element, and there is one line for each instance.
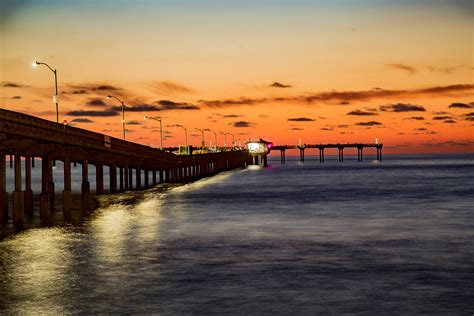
<point>389,238</point>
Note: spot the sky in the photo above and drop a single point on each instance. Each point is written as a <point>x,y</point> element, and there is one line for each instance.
<point>317,71</point>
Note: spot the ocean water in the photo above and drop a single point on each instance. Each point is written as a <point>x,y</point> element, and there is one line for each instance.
<point>391,238</point>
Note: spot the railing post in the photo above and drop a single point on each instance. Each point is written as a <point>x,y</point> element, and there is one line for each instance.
<point>85,187</point>
<point>67,198</point>
<point>28,192</point>
<point>3,189</point>
<point>45,208</point>
<point>18,197</point>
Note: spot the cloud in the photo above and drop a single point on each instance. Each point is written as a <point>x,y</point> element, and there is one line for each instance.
<point>361,113</point>
<point>301,119</point>
<point>402,107</point>
<point>171,105</point>
<point>81,120</point>
<point>442,118</point>
<point>369,123</point>
<point>416,118</point>
<point>296,129</point>
<point>105,113</point>
<point>16,97</point>
<point>411,70</point>
<point>277,84</point>
<point>443,70</point>
<point>348,96</point>
<point>103,87</point>
<point>242,124</point>
<point>134,123</point>
<point>462,105</point>
<point>450,121</point>
<point>231,102</point>
<point>170,87</point>
<point>421,129</point>
<point>326,128</point>
<point>96,102</point>
<point>9,84</point>
<point>136,108</point>
<point>232,116</point>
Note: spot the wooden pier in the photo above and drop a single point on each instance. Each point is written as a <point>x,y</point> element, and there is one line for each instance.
<point>30,137</point>
<point>340,148</point>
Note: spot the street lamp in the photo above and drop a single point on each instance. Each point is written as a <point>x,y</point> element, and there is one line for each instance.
<point>225,139</point>
<point>157,118</point>
<point>185,135</point>
<point>203,143</point>
<point>123,113</point>
<point>55,97</point>
<point>215,136</point>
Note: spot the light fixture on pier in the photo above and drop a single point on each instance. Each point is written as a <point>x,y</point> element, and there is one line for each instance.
<point>158,119</point>
<point>55,96</point>
<point>123,113</point>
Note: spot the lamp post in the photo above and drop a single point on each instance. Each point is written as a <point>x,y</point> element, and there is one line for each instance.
<point>225,139</point>
<point>203,143</point>
<point>185,135</point>
<point>55,97</point>
<point>123,113</point>
<point>157,118</point>
<point>215,136</point>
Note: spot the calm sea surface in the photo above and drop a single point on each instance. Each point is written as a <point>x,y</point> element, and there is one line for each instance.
<point>395,237</point>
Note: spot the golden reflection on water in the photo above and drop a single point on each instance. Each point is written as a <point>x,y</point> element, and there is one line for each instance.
<point>36,271</point>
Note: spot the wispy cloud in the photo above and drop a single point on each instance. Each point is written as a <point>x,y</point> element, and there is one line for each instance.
<point>369,123</point>
<point>301,119</point>
<point>339,97</point>
<point>361,113</point>
<point>462,105</point>
<point>416,118</point>
<point>170,87</point>
<point>81,120</point>
<point>277,84</point>
<point>105,113</point>
<point>96,102</point>
<point>9,84</point>
<point>410,69</point>
<point>242,124</point>
<point>171,105</point>
<point>402,107</point>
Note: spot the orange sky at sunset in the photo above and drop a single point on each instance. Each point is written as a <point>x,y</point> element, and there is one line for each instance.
<point>319,71</point>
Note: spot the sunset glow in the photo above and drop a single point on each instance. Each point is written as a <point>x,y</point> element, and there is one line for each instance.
<point>319,71</point>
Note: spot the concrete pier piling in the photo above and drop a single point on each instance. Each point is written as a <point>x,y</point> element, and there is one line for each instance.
<point>18,195</point>
<point>3,189</point>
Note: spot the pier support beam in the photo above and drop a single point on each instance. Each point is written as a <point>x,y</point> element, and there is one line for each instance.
<point>359,154</point>
<point>99,176</point>
<point>301,154</point>
<point>28,192</point>
<point>45,207</point>
<point>126,179</point>
<point>321,154</point>
<point>3,189</point>
<point>67,197</point>
<point>18,196</point>
<point>139,177</point>
<point>85,187</point>
<point>113,178</point>
<point>282,156</point>
<point>130,178</point>
<point>51,190</point>
<point>341,154</point>
<point>121,185</point>
<point>147,183</point>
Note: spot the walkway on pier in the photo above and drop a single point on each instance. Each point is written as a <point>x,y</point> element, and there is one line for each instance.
<point>29,137</point>
<point>340,147</point>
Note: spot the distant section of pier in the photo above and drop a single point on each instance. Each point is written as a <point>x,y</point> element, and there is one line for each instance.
<point>340,147</point>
